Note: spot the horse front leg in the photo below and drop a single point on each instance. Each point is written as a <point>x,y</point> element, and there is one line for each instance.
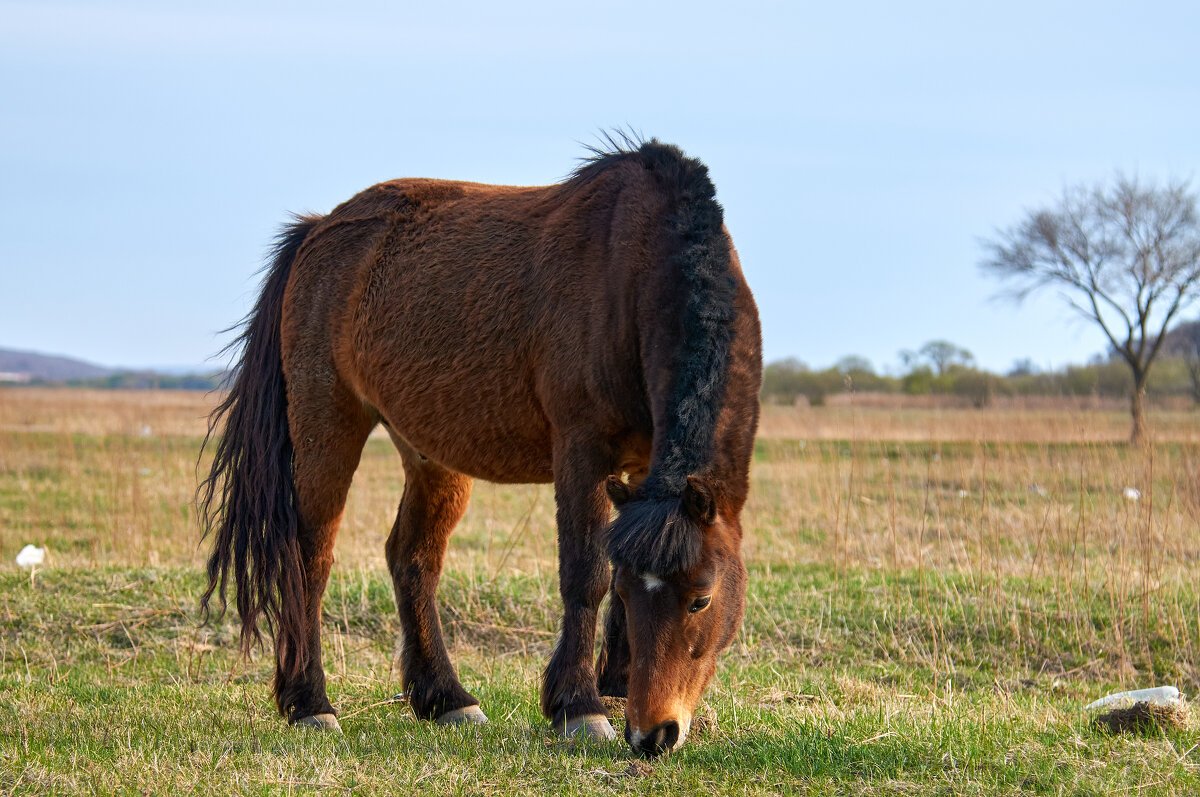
<point>570,699</point>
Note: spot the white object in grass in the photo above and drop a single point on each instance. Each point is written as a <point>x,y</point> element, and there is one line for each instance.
<point>1132,494</point>
<point>31,556</point>
<point>1157,696</point>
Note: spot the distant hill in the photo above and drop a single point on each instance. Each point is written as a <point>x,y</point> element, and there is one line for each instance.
<point>27,367</point>
<point>1183,340</point>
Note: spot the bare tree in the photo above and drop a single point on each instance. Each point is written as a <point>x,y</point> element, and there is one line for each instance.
<point>1125,256</point>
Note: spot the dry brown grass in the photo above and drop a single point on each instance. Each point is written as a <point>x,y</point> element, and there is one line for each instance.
<point>145,413</point>
<point>861,418</point>
<point>108,477</point>
<point>104,474</point>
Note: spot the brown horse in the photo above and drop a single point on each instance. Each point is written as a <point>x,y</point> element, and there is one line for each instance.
<point>597,334</point>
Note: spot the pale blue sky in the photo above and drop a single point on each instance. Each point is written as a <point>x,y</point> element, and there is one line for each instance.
<point>149,150</point>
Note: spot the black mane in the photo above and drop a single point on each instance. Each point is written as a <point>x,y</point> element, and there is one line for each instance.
<point>706,312</point>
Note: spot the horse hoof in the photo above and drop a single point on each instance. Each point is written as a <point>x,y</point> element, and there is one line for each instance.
<point>589,726</point>
<point>325,722</point>
<point>467,715</point>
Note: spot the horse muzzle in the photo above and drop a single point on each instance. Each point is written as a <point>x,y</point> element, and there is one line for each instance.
<point>662,738</point>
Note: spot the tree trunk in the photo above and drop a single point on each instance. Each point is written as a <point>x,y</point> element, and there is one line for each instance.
<point>1137,408</point>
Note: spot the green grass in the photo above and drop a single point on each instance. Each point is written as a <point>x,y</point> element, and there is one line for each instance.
<point>923,617</point>
<point>836,685</point>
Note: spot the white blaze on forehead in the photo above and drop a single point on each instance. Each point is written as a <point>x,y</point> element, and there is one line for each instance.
<point>651,581</point>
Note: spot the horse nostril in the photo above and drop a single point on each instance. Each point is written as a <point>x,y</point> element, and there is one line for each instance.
<point>660,740</point>
<point>669,734</point>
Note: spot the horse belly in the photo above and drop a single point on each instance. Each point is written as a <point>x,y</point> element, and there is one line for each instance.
<point>446,334</point>
<point>500,438</point>
<point>463,403</point>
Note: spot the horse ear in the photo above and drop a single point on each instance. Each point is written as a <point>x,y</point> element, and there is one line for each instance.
<point>699,502</point>
<point>618,491</point>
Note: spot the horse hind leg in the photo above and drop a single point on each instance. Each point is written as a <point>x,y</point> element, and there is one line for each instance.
<point>328,438</point>
<point>433,503</point>
<point>612,664</point>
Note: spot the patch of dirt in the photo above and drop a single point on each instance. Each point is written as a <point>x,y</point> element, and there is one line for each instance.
<point>704,720</point>
<point>638,769</point>
<point>1142,718</point>
<point>775,697</point>
<point>615,706</point>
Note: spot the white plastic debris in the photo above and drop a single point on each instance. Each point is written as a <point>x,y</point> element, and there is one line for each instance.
<point>1132,494</point>
<point>31,556</point>
<point>1156,696</point>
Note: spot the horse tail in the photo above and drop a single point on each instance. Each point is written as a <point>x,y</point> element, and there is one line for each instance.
<point>248,501</point>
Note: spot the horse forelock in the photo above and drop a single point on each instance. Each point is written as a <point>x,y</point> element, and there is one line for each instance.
<point>655,536</point>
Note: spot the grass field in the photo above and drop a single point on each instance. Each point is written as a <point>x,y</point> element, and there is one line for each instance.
<point>934,596</point>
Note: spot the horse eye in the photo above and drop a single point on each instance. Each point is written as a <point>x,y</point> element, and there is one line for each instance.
<point>699,604</point>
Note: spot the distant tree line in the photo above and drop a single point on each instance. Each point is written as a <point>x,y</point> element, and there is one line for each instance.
<point>942,369</point>
<point>137,380</point>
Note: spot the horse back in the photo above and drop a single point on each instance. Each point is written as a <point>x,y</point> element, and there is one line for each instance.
<point>484,322</point>
<point>477,319</point>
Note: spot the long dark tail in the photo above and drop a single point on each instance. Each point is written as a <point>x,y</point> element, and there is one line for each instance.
<point>248,501</point>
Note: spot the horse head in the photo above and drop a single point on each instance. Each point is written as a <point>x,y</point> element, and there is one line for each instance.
<point>678,571</point>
